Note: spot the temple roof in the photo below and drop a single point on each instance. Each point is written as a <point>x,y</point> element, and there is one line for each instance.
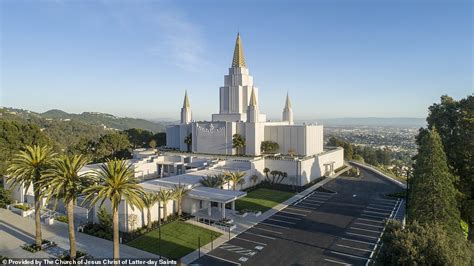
<point>239,59</point>
<point>186,100</point>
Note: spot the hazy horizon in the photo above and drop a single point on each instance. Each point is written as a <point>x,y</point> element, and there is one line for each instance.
<point>136,59</point>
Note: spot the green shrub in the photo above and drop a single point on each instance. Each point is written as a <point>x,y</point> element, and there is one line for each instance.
<point>61,218</point>
<point>5,197</point>
<point>22,207</point>
<point>105,219</point>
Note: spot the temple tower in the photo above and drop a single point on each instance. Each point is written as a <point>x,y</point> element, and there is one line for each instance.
<point>288,111</point>
<point>186,116</point>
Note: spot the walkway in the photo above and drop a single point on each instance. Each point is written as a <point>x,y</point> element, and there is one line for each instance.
<point>16,230</point>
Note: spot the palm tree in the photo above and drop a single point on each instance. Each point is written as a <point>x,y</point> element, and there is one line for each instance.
<point>266,171</point>
<point>27,169</point>
<point>282,175</point>
<point>63,181</point>
<point>238,143</point>
<point>116,181</point>
<point>235,178</point>
<point>274,173</point>
<point>215,181</point>
<point>254,179</point>
<point>189,140</point>
<point>164,196</point>
<point>149,199</point>
<point>179,191</point>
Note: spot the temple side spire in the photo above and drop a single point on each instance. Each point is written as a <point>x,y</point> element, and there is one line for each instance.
<point>186,100</point>
<point>288,102</point>
<point>186,115</point>
<point>253,99</point>
<point>287,114</point>
<point>239,59</point>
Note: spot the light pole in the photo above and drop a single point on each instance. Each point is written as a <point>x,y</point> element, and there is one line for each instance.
<point>159,228</point>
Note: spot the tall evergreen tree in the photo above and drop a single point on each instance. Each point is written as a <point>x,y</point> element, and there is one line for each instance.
<point>432,193</point>
<point>455,123</point>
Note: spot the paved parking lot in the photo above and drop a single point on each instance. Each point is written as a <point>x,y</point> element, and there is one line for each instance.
<point>324,228</point>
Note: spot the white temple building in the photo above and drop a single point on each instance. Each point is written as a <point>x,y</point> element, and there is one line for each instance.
<point>239,113</point>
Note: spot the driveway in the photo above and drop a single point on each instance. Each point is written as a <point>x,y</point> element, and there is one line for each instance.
<point>341,228</point>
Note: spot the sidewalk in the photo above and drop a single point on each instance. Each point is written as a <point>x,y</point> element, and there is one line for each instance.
<point>253,221</point>
<point>16,230</point>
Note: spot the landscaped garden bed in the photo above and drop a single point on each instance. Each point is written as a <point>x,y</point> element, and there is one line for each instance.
<point>79,256</point>
<point>178,238</point>
<point>261,200</point>
<point>22,209</point>
<point>33,248</point>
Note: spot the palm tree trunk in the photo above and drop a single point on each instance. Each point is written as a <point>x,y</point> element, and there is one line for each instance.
<point>116,234</point>
<point>179,208</point>
<point>72,235</point>
<point>38,237</point>
<point>165,211</point>
<point>149,218</point>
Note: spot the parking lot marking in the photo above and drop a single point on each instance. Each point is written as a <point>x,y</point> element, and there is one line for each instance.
<point>219,258</point>
<point>371,225</point>
<point>362,229</point>
<point>386,207</point>
<point>293,213</point>
<point>288,217</point>
<point>354,234</point>
<point>321,196</point>
<point>377,212</point>
<point>373,216</point>
<point>370,220</point>
<point>325,193</point>
<point>251,241</point>
<point>243,259</point>
<point>263,229</point>
<point>361,249</point>
<point>271,219</point>
<point>338,262</point>
<point>269,237</point>
<point>358,241</point>
<point>386,200</point>
<point>274,225</point>
<point>312,200</point>
<point>309,204</point>
<point>349,255</point>
<point>379,209</point>
<point>295,209</point>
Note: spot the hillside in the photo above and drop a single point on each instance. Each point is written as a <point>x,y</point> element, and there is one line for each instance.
<point>106,121</point>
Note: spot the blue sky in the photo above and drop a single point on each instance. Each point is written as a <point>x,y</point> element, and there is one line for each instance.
<point>135,58</point>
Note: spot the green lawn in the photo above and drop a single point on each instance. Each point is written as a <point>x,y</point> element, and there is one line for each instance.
<point>177,239</point>
<point>262,199</point>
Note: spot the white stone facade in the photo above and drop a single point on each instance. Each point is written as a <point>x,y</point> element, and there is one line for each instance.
<point>239,113</point>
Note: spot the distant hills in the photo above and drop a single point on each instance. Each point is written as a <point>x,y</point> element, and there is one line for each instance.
<point>90,118</point>
<point>371,121</point>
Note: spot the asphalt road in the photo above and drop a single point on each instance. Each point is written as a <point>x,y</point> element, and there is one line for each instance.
<point>340,228</point>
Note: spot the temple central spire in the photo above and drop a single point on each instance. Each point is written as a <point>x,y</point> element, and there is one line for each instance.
<point>239,59</point>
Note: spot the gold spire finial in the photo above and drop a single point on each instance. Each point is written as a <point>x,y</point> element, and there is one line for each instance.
<point>239,59</point>
<point>253,99</point>
<point>288,102</point>
<point>186,100</point>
